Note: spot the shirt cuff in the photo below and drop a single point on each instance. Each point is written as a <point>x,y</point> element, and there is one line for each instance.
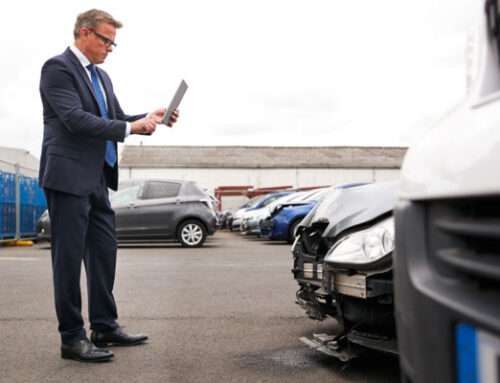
<point>128,128</point>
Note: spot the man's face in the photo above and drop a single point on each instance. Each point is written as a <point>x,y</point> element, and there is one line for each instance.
<point>94,47</point>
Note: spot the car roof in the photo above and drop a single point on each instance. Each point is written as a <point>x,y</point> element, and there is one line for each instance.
<point>142,180</point>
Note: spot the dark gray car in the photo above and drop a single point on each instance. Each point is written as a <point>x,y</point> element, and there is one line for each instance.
<point>343,264</point>
<point>158,209</point>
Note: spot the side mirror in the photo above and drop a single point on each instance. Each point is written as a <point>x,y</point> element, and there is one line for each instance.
<point>483,70</point>
<point>493,20</point>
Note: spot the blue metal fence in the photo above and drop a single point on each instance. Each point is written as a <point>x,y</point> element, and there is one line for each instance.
<point>32,205</point>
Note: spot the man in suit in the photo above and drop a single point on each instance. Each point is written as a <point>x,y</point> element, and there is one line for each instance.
<point>83,121</point>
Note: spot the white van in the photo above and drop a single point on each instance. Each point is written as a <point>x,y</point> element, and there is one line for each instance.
<point>447,263</point>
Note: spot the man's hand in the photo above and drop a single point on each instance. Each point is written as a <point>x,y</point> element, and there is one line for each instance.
<point>158,114</point>
<point>145,125</point>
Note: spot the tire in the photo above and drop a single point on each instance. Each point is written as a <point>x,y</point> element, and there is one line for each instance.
<point>191,233</point>
<point>293,228</point>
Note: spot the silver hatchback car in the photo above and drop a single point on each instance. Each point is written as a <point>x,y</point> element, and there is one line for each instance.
<point>157,209</point>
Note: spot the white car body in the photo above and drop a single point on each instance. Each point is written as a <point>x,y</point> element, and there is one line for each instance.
<point>447,263</point>
<point>459,155</point>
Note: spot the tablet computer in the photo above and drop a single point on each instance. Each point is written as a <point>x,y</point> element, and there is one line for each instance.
<point>174,104</point>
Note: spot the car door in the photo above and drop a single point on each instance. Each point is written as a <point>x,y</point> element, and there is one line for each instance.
<point>125,203</point>
<point>160,207</point>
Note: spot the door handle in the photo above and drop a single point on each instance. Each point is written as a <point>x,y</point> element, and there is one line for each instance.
<point>131,206</point>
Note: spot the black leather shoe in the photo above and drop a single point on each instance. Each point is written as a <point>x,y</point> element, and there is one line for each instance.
<point>84,351</point>
<point>117,337</point>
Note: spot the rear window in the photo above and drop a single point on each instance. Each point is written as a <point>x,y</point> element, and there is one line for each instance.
<point>193,189</point>
<point>158,189</point>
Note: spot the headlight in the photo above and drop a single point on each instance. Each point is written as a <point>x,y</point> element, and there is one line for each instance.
<point>364,247</point>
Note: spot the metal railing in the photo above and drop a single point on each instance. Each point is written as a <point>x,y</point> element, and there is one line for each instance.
<point>22,202</point>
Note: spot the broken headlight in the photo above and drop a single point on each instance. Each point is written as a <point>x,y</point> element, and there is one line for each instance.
<point>365,246</point>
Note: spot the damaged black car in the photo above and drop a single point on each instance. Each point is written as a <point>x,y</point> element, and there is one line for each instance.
<point>343,264</point>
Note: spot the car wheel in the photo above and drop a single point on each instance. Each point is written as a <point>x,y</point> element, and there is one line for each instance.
<point>191,234</point>
<point>293,229</point>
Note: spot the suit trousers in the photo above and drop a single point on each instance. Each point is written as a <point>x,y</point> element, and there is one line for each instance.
<point>83,229</point>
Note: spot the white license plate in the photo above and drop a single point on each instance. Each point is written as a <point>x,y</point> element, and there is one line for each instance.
<point>477,355</point>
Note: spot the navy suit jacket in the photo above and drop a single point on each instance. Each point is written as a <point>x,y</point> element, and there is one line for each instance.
<point>75,134</point>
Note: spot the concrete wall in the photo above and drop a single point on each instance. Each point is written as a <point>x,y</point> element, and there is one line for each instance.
<point>232,202</point>
<point>213,178</point>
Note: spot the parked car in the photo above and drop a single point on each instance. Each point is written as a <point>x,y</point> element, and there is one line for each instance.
<point>343,265</point>
<point>234,222</point>
<point>447,270</point>
<point>255,203</point>
<point>158,209</point>
<point>283,220</point>
<point>42,227</point>
<point>252,218</point>
<point>284,217</point>
<point>224,218</point>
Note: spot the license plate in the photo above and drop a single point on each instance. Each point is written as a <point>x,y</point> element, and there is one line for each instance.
<point>478,355</point>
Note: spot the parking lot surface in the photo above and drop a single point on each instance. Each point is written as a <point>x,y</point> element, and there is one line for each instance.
<point>221,313</point>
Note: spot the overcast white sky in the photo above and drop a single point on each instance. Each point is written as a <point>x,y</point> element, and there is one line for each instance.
<point>260,72</point>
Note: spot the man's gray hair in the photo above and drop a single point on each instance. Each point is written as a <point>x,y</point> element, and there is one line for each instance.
<point>91,19</point>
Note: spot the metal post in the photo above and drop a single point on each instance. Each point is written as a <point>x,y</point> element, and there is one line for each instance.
<point>18,202</point>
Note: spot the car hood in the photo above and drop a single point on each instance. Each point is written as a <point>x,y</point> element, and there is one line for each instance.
<point>341,209</point>
<point>289,205</point>
<point>298,203</point>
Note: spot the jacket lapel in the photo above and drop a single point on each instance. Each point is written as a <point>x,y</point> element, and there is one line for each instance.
<point>82,71</point>
<point>104,82</point>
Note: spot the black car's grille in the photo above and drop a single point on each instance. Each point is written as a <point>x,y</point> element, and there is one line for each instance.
<point>464,238</point>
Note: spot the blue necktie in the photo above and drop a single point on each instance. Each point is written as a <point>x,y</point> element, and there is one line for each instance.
<point>110,156</point>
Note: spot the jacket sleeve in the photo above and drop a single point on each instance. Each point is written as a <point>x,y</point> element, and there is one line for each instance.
<point>57,86</point>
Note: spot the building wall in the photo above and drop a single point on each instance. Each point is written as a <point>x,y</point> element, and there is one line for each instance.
<point>232,202</point>
<point>258,178</point>
<point>10,156</point>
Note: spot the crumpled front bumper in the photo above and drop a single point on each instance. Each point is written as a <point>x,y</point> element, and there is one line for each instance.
<point>266,228</point>
<point>250,227</point>
<point>307,268</point>
<point>362,304</point>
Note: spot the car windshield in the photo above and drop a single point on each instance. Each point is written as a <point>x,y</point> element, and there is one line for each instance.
<point>316,195</point>
<point>283,199</point>
<point>254,201</point>
<point>270,200</point>
<point>289,197</point>
<point>297,196</point>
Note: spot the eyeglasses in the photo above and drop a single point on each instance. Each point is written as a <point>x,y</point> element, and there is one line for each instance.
<point>107,42</point>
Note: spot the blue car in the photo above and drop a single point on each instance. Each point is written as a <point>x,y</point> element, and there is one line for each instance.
<point>285,218</point>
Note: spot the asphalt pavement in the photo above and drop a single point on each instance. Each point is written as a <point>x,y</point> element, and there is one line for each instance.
<point>221,313</point>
